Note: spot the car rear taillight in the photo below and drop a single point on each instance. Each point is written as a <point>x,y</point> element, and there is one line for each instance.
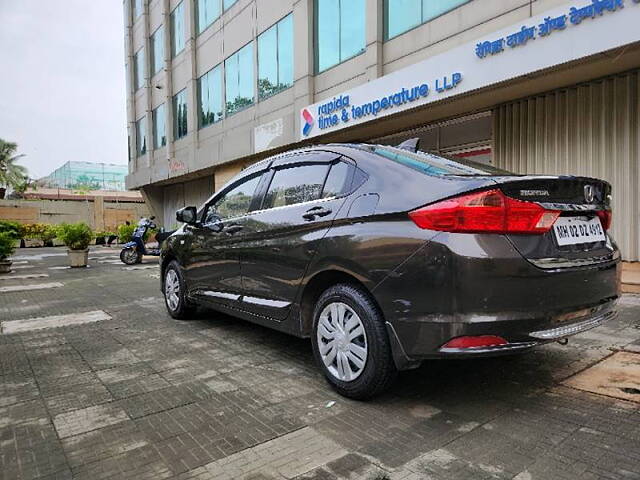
<point>605,218</point>
<point>490,211</point>
<point>478,341</point>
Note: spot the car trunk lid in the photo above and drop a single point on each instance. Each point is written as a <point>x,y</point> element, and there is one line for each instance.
<point>578,237</point>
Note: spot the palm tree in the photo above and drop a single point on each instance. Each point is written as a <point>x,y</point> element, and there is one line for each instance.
<point>11,174</point>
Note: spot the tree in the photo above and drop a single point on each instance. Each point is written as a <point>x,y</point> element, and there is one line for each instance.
<point>12,175</point>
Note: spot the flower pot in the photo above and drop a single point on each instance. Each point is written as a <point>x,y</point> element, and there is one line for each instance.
<point>33,242</point>
<point>78,258</point>
<point>3,190</point>
<point>5,266</point>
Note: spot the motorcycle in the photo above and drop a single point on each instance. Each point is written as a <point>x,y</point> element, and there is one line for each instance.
<point>133,251</point>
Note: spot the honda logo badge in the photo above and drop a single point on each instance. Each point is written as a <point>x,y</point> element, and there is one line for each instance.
<point>589,193</point>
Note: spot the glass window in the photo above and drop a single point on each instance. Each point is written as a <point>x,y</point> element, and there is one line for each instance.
<point>138,69</point>
<point>295,185</point>
<point>137,8</point>
<point>229,3</point>
<point>210,97</point>
<point>403,15</point>
<point>340,31</point>
<point>239,79</point>
<point>275,58</point>
<point>141,136</point>
<point>336,180</point>
<point>208,12</point>
<point>435,165</point>
<point>159,127</point>
<point>177,30</point>
<point>157,50</point>
<point>234,203</point>
<point>180,114</point>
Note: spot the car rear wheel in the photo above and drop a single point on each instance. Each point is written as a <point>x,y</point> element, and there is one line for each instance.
<point>351,344</point>
<point>174,290</point>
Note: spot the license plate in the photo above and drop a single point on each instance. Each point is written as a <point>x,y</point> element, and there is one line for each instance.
<point>572,230</point>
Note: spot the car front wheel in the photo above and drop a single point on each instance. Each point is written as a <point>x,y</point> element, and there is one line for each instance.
<point>174,289</point>
<point>350,342</point>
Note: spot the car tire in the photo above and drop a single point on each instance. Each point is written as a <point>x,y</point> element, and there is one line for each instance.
<point>174,291</point>
<point>357,378</point>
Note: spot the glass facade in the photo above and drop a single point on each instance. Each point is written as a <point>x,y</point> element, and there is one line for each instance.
<point>96,176</point>
<point>228,3</point>
<point>177,30</point>
<point>137,8</point>
<point>141,136</point>
<point>157,50</point>
<point>339,30</point>
<point>275,58</point>
<point>239,79</point>
<point>138,69</point>
<point>210,97</point>
<point>403,15</point>
<point>207,12</point>
<point>180,114</point>
<point>158,117</point>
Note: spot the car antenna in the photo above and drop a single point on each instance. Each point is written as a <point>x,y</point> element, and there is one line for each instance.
<point>412,144</point>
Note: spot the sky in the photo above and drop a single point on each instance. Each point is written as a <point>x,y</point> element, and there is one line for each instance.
<point>62,81</point>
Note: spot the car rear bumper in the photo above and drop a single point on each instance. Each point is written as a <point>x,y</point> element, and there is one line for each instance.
<point>596,317</point>
<point>478,285</point>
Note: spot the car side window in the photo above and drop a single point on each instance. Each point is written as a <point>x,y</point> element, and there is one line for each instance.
<point>297,184</point>
<point>337,179</point>
<point>234,203</point>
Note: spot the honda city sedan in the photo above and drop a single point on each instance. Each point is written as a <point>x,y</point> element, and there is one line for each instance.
<point>387,256</point>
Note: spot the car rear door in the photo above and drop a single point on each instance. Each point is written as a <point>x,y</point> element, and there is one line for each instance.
<point>303,196</point>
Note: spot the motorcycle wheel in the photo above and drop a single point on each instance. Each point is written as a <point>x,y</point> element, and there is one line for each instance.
<point>130,256</point>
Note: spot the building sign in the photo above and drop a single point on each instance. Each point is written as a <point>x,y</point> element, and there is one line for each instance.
<point>604,25</point>
<point>575,16</point>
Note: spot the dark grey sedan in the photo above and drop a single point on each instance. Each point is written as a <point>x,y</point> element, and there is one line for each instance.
<point>387,256</point>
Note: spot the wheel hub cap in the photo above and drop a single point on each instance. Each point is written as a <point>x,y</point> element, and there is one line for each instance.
<point>342,341</point>
<point>172,289</point>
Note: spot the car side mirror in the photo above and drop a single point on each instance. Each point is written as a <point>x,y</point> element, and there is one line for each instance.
<point>188,215</point>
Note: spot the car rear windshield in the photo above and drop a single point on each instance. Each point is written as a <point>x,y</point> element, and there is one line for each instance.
<point>437,165</point>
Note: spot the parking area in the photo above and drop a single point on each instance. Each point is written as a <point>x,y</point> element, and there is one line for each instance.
<point>99,382</point>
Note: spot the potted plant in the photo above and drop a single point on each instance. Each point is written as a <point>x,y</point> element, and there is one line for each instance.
<point>31,235</point>
<point>14,229</point>
<point>7,247</point>
<point>125,232</point>
<point>77,237</point>
<point>47,235</point>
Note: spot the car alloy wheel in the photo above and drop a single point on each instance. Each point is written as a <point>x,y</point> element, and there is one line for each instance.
<point>342,341</point>
<point>172,289</point>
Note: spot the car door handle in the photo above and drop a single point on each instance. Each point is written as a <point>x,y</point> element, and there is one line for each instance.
<point>314,212</point>
<point>233,228</point>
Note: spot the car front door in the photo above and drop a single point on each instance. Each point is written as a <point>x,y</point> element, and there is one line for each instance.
<point>303,197</point>
<point>214,270</point>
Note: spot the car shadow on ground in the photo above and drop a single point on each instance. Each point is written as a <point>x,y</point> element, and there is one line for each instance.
<point>504,378</point>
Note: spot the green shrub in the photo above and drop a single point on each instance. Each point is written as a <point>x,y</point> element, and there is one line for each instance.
<point>76,236</point>
<point>48,233</point>
<point>13,228</point>
<point>40,231</point>
<point>125,232</point>
<point>7,244</point>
